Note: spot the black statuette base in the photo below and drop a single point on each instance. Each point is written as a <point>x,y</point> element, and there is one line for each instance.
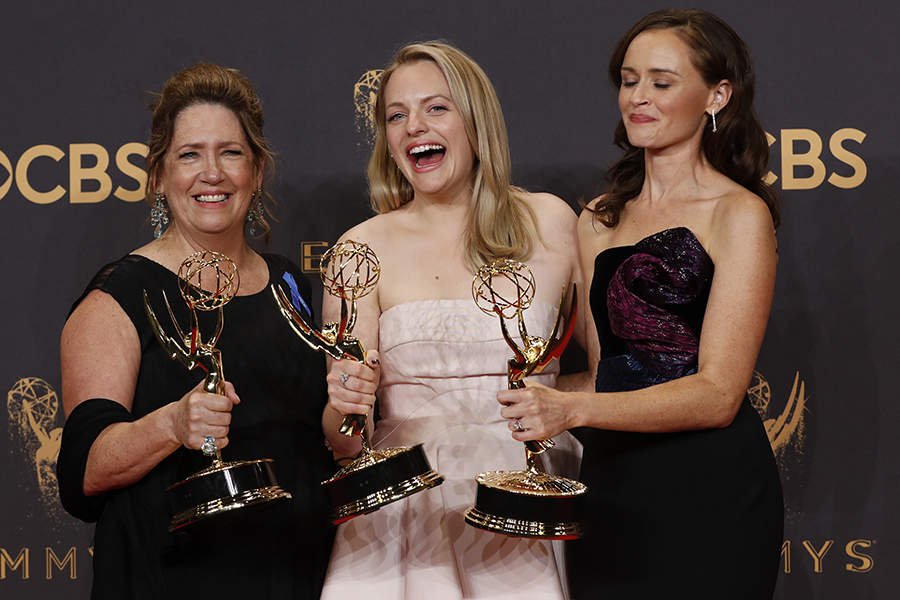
<point>382,477</point>
<point>223,492</point>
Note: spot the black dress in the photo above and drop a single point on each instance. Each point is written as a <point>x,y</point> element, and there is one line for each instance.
<point>694,514</point>
<point>278,553</point>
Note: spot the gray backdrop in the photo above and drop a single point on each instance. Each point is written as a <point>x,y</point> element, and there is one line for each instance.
<point>75,78</point>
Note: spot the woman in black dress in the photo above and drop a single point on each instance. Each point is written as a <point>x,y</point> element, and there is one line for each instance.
<point>136,418</point>
<point>684,493</point>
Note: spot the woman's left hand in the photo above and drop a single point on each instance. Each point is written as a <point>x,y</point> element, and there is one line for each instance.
<point>540,412</point>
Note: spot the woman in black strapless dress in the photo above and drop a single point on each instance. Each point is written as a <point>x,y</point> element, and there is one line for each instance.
<point>684,493</point>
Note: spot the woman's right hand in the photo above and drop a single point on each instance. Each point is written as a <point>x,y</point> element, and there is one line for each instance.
<point>352,385</point>
<point>200,414</point>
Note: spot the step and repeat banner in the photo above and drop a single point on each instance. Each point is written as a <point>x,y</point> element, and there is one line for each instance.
<point>77,78</point>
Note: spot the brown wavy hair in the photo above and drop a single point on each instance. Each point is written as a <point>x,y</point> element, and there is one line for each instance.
<point>501,223</point>
<point>738,148</point>
<point>206,83</point>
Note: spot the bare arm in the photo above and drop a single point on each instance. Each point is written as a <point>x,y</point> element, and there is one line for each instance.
<point>100,358</point>
<point>743,249</point>
<point>559,231</point>
<point>586,330</point>
<point>356,393</point>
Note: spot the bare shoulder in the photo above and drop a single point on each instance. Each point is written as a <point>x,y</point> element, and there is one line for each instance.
<point>740,218</point>
<point>593,236</point>
<point>741,211</point>
<point>551,211</point>
<point>372,231</point>
<point>543,201</point>
<point>588,219</point>
<point>99,351</point>
<point>97,307</point>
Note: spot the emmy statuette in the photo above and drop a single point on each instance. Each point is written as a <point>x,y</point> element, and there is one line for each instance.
<point>527,503</point>
<point>225,490</point>
<point>350,270</point>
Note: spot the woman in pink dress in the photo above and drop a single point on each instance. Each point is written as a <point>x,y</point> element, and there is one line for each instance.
<point>439,180</point>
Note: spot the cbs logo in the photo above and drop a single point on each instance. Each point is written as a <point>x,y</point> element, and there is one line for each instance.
<point>93,154</point>
<point>802,165</point>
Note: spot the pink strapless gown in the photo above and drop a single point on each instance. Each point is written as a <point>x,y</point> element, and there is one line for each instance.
<point>442,364</point>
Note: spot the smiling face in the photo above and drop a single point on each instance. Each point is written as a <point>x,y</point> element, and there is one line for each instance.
<point>663,98</point>
<point>426,133</point>
<point>209,172</point>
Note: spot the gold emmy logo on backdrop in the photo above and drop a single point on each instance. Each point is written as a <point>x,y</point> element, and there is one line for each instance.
<point>364,99</point>
<point>33,404</point>
<point>785,430</point>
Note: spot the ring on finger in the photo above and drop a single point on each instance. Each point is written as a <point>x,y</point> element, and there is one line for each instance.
<point>344,377</point>
<point>517,425</point>
<point>209,446</point>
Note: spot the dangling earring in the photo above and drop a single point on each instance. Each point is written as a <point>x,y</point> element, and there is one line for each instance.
<point>714,120</point>
<point>159,214</point>
<point>255,213</point>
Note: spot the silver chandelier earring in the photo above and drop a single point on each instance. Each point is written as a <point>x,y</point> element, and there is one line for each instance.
<point>159,214</point>
<point>714,120</point>
<point>255,213</point>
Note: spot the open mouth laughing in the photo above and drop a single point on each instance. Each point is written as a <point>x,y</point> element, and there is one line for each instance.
<point>426,155</point>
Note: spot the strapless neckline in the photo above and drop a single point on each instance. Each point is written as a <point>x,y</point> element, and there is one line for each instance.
<point>671,231</point>
<point>463,303</point>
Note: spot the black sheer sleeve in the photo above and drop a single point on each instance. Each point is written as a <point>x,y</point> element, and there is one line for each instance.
<point>82,427</point>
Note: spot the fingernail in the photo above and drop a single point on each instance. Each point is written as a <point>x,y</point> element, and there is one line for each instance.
<point>376,362</point>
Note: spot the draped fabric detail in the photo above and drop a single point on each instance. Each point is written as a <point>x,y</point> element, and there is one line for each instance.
<point>658,499</point>
<point>670,269</point>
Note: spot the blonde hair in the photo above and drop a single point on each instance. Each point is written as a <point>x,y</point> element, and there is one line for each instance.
<point>501,223</point>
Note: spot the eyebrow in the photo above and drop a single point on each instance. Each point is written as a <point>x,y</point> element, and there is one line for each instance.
<point>198,145</point>
<point>424,100</point>
<point>655,70</point>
